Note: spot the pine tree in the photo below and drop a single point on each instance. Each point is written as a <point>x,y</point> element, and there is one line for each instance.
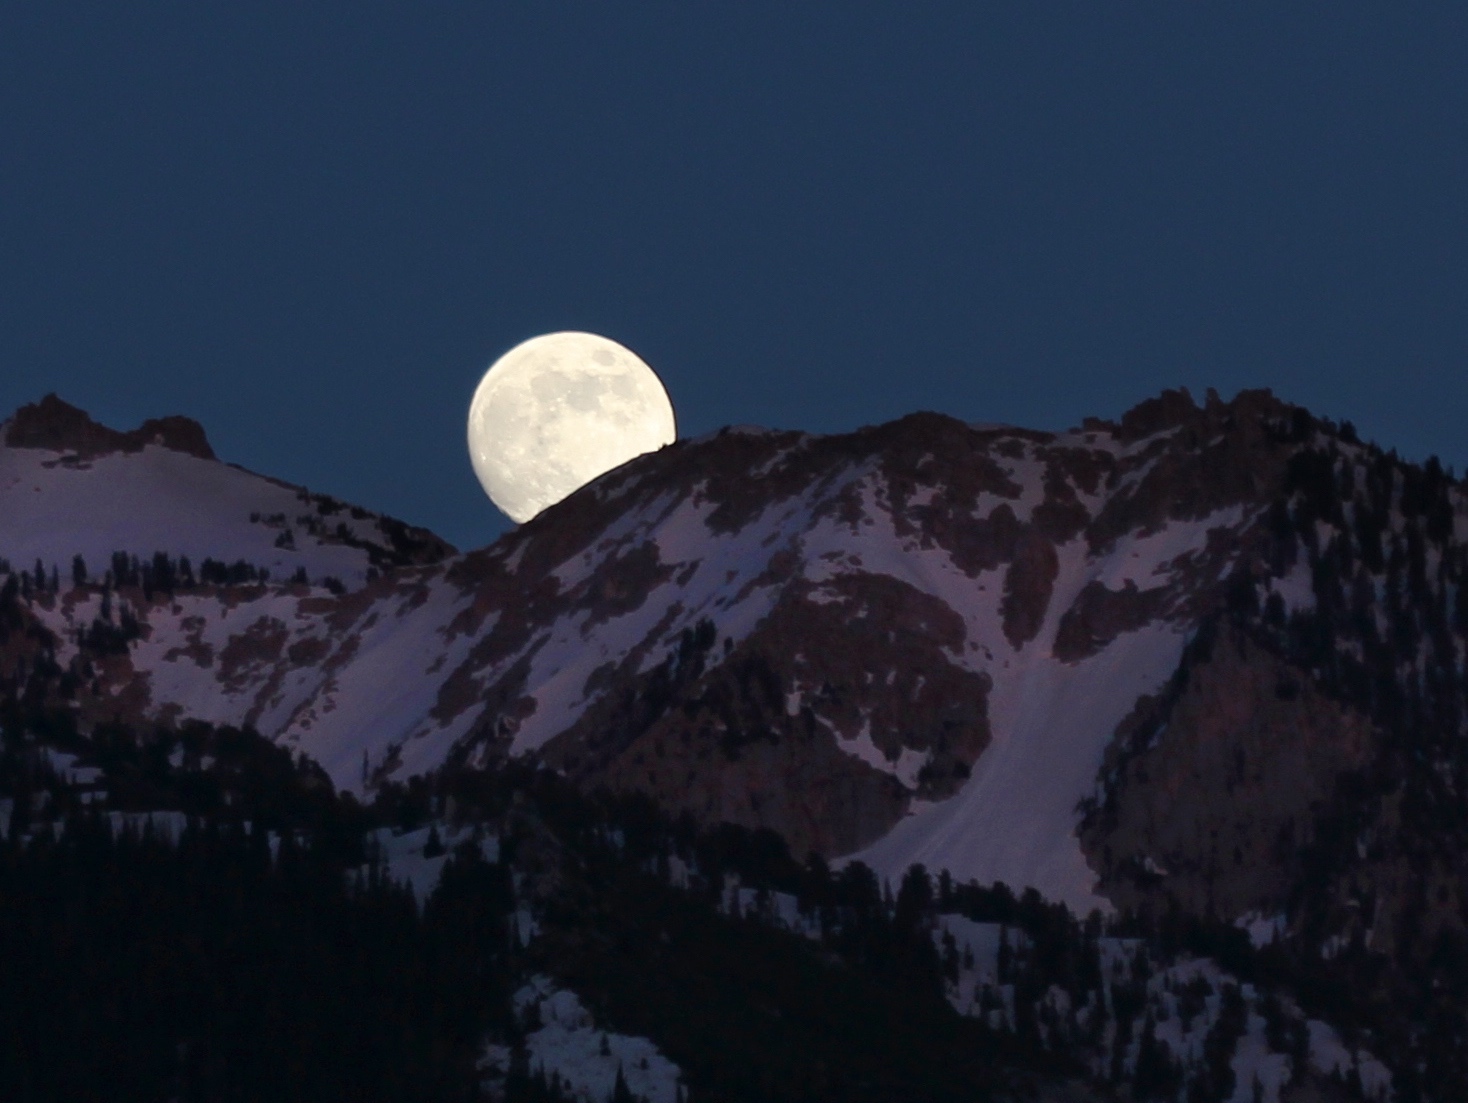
<point>621,1093</point>
<point>1156,1076</point>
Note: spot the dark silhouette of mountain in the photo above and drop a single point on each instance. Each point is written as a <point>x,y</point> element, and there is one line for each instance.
<point>58,426</point>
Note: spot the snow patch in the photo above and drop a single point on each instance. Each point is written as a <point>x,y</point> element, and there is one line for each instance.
<point>905,767</point>
<point>1263,929</point>
<point>403,859</point>
<point>566,1042</point>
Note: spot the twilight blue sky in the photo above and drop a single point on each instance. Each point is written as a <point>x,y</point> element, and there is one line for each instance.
<point>313,226</point>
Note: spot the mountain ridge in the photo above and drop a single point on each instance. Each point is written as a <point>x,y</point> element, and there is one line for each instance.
<point>70,486</point>
<point>947,540</point>
<point>1203,669</point>
<point>55,425</point>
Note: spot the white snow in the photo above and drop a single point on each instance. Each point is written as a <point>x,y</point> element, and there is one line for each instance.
<point>403,860</point>
<point>371,691</point>
<point>569,1043</point>
<point>370,687</point>
<point>978,946</point>
<point>159,499</point>
<point>162,825</point>
<point>66,768</point>
<point>566,654</point>
<point>1296,589</point>
<point>1015,818</point>
<point>1253,1060</point>
<point>775,909</point>
<point>1263,929</point>
<point>905,767</point>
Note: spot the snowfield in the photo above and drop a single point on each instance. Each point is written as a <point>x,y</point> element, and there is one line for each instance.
<point>60,503</point>
<point>510,647</point>
<point>564,1040</point>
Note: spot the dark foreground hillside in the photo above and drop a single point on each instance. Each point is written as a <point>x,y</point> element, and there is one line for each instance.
<point>202,919</point>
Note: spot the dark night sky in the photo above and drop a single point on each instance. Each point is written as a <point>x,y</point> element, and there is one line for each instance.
<point>313,226</point>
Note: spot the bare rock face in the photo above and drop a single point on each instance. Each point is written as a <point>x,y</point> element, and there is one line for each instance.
<point>1100,614</point>
<point>1190,462</point>
<point>805,726</point>
<point>58,426</point>
<point>1028,585</point>
<point>1306,766</point>
<point>1215,812</point>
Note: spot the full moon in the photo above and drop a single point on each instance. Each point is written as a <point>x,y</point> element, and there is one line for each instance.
<point>558,410</point>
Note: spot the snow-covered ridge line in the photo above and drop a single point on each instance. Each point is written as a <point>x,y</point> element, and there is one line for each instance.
<point>911,642</point>
<point>70,487</point>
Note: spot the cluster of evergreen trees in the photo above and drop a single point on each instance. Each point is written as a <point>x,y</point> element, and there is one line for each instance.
<point>407,544</point>
<point>117,626</point>
<point>251,959</point>
<point>209,968</point>
<point>257,956</point>
<point>1388,626</point>
<point>1385,632</point>
<point>1388,634</point>
<point>632,943</point>
<point>749,1012</point>
<point>162,573</point>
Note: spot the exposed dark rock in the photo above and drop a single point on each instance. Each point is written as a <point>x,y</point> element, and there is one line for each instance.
<point>58,426</point>
<point>1027,587</point>
<point>1100,614</point>
<point>624,583</point>
<point>751,736</point>
<point>1154,415</point>
<point>1224,454</point>
<point>1215,794</point>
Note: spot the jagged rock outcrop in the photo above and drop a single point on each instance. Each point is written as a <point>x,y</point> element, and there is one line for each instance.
<point>70,486</point>
<point>58,426</point>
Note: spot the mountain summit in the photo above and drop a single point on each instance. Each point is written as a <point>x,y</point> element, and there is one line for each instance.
<point>57,426</point>
<point>916,642</point>
<point>72,487</point>
<point>1204,661</point>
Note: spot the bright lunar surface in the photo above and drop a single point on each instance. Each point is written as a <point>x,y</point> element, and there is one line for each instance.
<point>558,410</point>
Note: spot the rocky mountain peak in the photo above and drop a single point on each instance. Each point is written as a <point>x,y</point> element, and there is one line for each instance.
<point>1204,663</point>
<point>1177,409</point>
<point>824,635</point>
<point>72,487</point>
<point>57,426</point>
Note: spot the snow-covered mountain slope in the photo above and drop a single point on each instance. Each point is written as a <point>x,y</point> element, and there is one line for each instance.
<point>69,487</point>
<point>912,642</point>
